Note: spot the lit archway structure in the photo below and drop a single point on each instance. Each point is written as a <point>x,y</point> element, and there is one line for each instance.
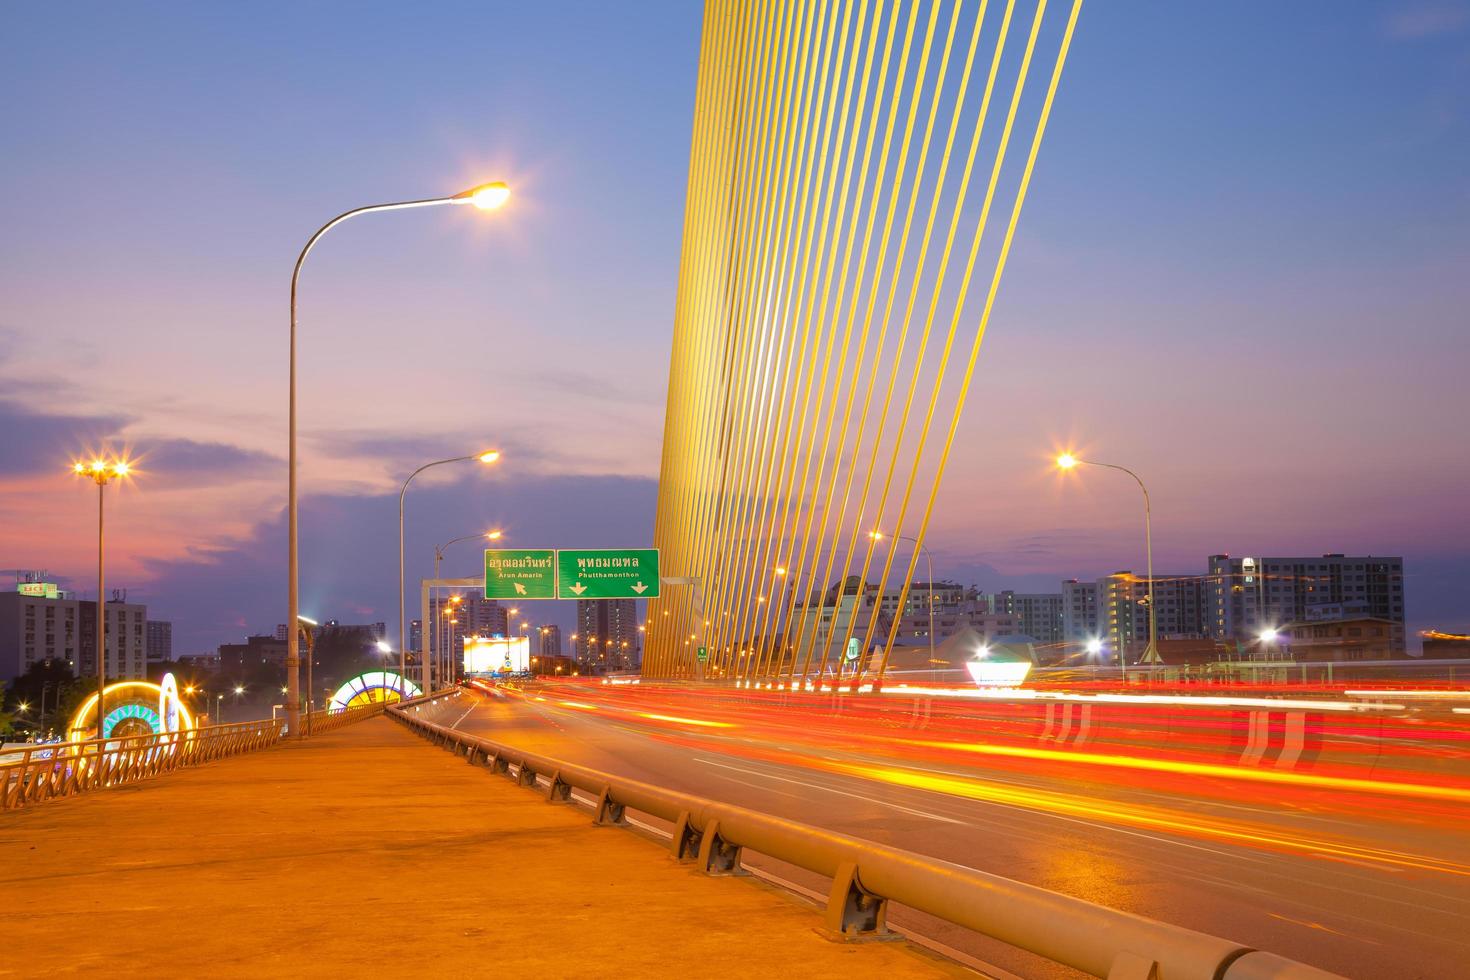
<point>134,708</point>
<point>372,686</point>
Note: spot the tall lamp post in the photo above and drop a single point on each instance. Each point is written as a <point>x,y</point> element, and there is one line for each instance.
<point>439,549</point>
<point>486,197</point>
<point>929,560</point>
<point>1067,461</point>
<point>101,472</point>
<point>489,456</point>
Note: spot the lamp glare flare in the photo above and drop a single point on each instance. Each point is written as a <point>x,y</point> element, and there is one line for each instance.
<point>488,197</point>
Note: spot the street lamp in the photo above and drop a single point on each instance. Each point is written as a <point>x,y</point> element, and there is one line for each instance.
<point>929,560</point>
<point>1067,461</point>
<point>488,456</point>
<point>101,472</point>
<point>386,651</point>
<point>484,197</point>
<point>439,549</point>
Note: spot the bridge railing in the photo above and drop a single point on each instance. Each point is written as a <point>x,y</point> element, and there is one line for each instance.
<point>320,722</point>
<point>47,771</point>
<point>867,876</point>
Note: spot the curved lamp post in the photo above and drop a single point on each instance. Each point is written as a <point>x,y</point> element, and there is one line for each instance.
<point>489,456</point>
<point>1067,461</point>
<point>485,197</point>
<point>929,560</point>
<point>439,549</point>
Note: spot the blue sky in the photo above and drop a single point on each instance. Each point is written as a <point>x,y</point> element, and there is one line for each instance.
<point>1240,271</point>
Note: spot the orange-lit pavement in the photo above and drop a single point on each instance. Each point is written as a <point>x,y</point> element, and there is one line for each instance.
<point>1361,869</point>
<point>368,852</point>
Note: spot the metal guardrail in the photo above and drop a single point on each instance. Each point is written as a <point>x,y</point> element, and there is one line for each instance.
<point>322,721</point>
<point>867,876</point>
<point>54,770</point>
<point>59,769</point>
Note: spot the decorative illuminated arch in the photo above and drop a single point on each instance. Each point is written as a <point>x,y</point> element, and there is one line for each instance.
<point>372,686</point>
<point>130,700</point>
<point>169,704</point>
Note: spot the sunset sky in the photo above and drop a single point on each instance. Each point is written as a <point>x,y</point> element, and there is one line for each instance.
<point>1241,271</point>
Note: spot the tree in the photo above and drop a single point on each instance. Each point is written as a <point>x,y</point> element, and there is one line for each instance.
<point>53,692</point>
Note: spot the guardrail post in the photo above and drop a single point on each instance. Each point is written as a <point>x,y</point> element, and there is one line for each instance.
<point>1131,966</point>
<point>608,812</point>
<point>686,840</point>
<point>498,765</point>
<point>718,856</point>
<point>853,912</point>
<point>560,791</point>
<point>525,776</point>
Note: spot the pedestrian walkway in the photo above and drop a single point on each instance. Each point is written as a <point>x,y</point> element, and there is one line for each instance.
<point>369,850</point>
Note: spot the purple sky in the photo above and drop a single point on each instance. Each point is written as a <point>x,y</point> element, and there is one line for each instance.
<point>1241,272</point>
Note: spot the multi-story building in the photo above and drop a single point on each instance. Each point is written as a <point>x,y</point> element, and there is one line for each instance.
<point>127,640</point>
<point>1079,612</point>
<point>550,640</point>
<point>1039,614</point>
<point>974,614</point>
<point>256,651</point>
<point>917,601</point>
<point>160,641</point>
<point>607,633</point>
<point>1122,602</point>
<point>35,628</point>
<point>416,634</point>
<point>1249,596</point>
<point>1337,638</point>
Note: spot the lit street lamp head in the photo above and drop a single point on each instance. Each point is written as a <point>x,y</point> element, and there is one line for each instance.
<point>486,197</point>
<point>489,456</point>
<point>493,535</point>
<point>1066,461</point>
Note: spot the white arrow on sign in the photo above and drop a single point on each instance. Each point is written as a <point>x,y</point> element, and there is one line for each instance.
<point>640,588</point>
<point>520,589</point>
<point>577,588</point>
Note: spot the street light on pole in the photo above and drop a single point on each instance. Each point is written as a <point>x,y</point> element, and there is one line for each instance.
<point>929,560</point>
<point>1067,461</point>
<point>101,472</point>
<point>485,197</point>
<point>492,535</point>
<point>488,456</point>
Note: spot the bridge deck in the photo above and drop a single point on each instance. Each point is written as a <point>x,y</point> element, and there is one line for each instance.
<point>366,849</point>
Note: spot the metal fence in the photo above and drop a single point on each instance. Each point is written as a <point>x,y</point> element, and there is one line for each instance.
<point>53,770</point>
<point>867,876</point>
<point>59,769</point>
<point>319,722</point>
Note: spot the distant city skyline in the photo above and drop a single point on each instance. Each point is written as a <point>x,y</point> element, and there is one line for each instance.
<point>1239,273</point>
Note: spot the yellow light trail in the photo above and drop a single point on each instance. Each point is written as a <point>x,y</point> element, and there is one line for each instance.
<point>684,721</point>
<point>1423,791</point>
<point>1137,815</point>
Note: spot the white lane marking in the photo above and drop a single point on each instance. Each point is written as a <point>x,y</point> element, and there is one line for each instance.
<point>462,717</point>
<point>1296,740</point>
<point>840,792</point>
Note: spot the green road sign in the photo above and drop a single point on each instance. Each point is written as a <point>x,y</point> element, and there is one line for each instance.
<point>520,573</point>
<point>854,648</point>
<point>616,573</point>
<point>702,653</point>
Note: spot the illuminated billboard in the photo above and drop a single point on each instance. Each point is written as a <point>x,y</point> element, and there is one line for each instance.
<point>496,655</point>
<point>40,590</point>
